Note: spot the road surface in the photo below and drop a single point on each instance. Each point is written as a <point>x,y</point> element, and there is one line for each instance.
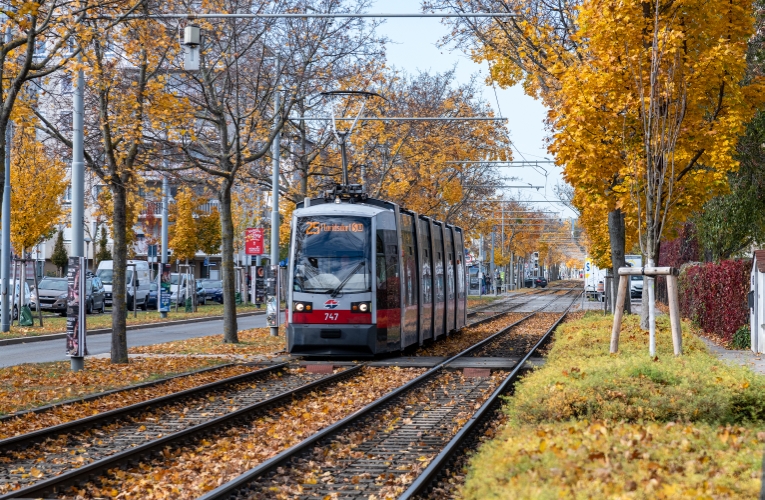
<point>53,350</point>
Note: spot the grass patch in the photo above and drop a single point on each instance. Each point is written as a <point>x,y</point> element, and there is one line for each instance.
<point>253,341</point>
<point>57,324</point>
<point>37,384</point>
<point>594,425</point>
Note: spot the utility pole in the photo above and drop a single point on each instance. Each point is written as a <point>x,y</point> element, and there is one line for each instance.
<point>5,254</point>
<point>491,261</point>
<point>165,251</point>
<point>275,211</point>
<point>78,182</point>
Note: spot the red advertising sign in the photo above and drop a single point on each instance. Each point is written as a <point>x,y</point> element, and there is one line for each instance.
<point>253,241</point>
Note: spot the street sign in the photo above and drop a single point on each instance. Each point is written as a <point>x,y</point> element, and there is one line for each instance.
<point>253,241</point>
<point>260,284</point>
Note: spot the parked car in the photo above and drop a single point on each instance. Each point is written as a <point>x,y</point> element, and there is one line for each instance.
<point>212,289</point>
<point>138,281</point>
<point>528,282</point>
<point>174,293</point>
<point>540,281</point>
<point>151,301</point>
<point>52,292</point>
<point>636,287</point>
<point>27,299</point>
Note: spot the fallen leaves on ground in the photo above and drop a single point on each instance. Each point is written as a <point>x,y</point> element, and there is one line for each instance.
<point>26,386</point>
<point>253,341</point>
<point>468,336</point>
<point>618,460</point>
<point>373,459</point>
<point>191,471</point>
<point>521,338</point>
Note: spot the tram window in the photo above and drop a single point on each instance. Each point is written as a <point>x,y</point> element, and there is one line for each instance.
<point>332,253</point>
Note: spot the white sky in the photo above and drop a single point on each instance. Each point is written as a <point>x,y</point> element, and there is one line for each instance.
<point>413,47</point>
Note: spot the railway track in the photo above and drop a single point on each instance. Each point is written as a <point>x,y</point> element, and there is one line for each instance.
<point>80,450</point>
<point>399,442</point>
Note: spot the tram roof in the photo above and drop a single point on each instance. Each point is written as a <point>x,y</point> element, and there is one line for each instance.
<point>360,209</point>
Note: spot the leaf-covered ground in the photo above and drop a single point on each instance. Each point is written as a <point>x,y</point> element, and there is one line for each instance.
<point>190,471</point>
<point>57,324</point>
<point>594,425</point>
<point>468,336</point>
<point>253,341</point>
<point>33,385</point>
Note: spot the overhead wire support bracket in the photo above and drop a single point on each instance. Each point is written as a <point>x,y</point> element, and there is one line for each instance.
<point>306,16</point>
<point>397,118</point>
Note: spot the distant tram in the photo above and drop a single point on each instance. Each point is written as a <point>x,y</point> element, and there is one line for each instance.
<point>367,277</point>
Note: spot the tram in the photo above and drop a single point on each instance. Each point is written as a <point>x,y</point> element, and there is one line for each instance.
<point>367,277</point>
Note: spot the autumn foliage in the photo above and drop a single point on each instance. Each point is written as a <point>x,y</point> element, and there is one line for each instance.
<point>714,296</point>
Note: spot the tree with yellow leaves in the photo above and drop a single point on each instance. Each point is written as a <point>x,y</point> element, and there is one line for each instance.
<point>125,93</point>
<point>183,233</point>
<point>38,183</point>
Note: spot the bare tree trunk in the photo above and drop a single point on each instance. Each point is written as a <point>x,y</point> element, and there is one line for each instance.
<point>119,301</point>
<point>230,328</point>
<point>617,237</point>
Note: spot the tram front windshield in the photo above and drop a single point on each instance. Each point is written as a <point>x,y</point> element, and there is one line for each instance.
<point>332,255</point>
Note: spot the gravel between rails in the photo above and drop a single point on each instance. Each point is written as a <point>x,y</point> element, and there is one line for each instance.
<point>519,339</point>
<point>381,454</point>
<point>188,471</point>
<point>67,451</point>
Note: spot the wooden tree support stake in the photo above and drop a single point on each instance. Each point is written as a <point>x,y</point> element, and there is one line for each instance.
<point>674,303</point>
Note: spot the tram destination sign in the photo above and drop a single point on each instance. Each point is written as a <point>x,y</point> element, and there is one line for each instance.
<point>312,228</point>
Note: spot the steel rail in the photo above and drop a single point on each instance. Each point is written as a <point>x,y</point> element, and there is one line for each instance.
<point>225,490</point>
<point>86,472</point>
<point>27,439</point>
<point>93,397</point>
<point>434,468</point>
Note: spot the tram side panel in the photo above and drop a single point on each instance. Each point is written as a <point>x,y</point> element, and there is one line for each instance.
<point>451,303</point>
<point>410,278</point>
<point>459,247</point>
<point>439,324</point>
<point>388,282</point>
<point>426,279</point>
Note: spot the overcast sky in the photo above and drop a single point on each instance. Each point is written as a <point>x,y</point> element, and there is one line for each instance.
<point>414,48</point>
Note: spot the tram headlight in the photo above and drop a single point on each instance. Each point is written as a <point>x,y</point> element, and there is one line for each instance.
<point>361,307</point>
<point>302,306</point>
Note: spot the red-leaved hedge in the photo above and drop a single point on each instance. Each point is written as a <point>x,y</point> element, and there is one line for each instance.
<point>713,296</point>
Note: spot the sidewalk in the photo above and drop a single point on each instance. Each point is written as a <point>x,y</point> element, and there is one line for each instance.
<point>742,358</point>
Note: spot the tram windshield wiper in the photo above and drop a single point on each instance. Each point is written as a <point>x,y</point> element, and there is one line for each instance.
<point>339,287</point>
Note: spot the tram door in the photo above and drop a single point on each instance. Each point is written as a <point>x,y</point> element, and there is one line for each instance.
<point>451,301</point>
<point>426,280</point>
<point>409,279</point>
<point>439,281</point>
<point>388,290</point>
<point>459,249</point>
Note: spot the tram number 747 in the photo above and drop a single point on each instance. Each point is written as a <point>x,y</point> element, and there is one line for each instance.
<point>331,316</point>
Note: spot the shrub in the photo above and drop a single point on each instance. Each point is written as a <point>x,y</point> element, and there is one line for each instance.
<point>713,296</point>
<point>582,380</point>
<point>742,339</point>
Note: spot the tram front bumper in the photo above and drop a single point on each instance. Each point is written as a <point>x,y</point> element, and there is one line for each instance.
<point>332,340</point>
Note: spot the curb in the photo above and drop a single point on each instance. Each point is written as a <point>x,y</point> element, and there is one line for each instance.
<point>101,331</point>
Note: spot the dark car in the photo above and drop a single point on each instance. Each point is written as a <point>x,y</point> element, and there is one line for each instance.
<point>540,281</point>
<point>52,293</point>
<point>528,282</point>
<point>151,300</point>
<point>212,289</point>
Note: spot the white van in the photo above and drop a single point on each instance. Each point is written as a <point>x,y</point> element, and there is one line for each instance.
<point>140,281</point>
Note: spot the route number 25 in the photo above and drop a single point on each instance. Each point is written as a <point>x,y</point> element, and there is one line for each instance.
<point>331,316</point>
